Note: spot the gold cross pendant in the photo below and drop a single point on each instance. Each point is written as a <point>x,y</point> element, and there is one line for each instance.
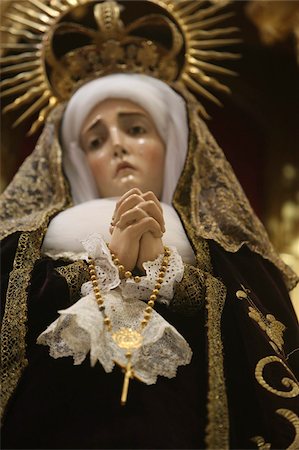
<point>127,339</point>
<point>128,374</point>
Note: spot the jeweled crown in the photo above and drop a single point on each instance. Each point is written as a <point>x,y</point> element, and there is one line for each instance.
<point>60,44</point>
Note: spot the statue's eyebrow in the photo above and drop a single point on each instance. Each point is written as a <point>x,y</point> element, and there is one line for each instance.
<point>121,114</point>
<point>97,121</point>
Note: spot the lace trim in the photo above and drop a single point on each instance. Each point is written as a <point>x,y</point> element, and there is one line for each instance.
<point>13,348</point>
<point>80,329</point>
<point>217,430</point>
<point>75,275</point>
<point>39,189</point>
<point>190,293</point>
<point>219,209</point>
<point>143,290</point>
<point>108,275</point>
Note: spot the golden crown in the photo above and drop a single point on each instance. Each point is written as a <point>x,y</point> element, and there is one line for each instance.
<point>57,45</point>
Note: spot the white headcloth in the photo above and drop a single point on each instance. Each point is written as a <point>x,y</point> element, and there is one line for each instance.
<point>166,107</point>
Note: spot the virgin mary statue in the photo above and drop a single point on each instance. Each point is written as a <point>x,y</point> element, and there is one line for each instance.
<point>144,306</point>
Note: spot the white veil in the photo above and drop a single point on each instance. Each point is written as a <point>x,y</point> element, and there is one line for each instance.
<point>166,108</point>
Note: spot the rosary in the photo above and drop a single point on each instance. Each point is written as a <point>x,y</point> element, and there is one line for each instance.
<point>126,338</point>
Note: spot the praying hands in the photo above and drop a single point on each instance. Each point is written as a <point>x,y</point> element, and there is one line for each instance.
<point>137,228</point>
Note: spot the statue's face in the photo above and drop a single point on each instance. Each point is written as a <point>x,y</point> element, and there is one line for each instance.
<point>123,148</point>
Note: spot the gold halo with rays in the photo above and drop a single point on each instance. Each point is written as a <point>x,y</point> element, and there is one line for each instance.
<point>29,23</point>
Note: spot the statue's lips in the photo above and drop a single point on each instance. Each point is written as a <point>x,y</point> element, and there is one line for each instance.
<point>123,166</point>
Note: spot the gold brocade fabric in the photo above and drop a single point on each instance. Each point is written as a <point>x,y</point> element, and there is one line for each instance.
<point>189,295</point>
<point>220,210</point>
<point>75,275</point>
<point>39,190</point>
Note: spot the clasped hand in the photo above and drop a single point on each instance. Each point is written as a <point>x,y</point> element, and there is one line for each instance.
<point>137,228</point>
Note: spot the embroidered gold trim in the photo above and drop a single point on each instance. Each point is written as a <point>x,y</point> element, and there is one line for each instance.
<point>218,201</point>
<point>217,430</point>
<point>13,348</point>
<point>287,382</point>
<point>39,188</point>
<point>189,295</point>
<point>75,275</point>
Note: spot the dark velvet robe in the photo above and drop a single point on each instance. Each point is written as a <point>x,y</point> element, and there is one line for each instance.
<point>59,405</point>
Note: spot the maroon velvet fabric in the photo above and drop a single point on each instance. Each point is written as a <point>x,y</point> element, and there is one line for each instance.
<point>252,407</point>
<point>59,405</point>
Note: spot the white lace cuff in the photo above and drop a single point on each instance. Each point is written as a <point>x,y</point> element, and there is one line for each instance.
<point>143,289</point>
<point>108,275</point>
<point>106,270</point>
<point>80,329</point>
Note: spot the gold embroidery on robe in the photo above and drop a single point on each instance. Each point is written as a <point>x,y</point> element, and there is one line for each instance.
<point>293,419</point>
<point>269,324</point>
<point>260,442</point>
<point>287,382</point>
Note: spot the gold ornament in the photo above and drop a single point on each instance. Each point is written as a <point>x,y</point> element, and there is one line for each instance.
<point>58,45</point>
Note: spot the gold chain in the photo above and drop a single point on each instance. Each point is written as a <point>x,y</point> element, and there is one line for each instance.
<point>127,338</point>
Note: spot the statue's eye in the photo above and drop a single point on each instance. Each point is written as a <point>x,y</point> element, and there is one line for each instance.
<point>95,143</point>
<point>136,130</point>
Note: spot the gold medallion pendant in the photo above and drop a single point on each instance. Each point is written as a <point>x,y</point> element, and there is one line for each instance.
<point>127,338</point>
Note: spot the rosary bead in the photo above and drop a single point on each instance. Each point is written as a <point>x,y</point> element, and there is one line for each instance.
<point>128,274</point>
